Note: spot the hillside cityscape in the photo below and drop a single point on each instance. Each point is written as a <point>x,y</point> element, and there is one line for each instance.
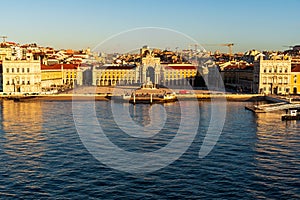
<point>33,69</point>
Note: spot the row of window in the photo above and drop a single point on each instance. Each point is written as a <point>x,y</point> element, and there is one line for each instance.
<point>128,75</point>
<point>271,70</point>
<point>17,70</point>
<point>295,78</point>
<point>115,73</point>
<point>17,83</point>
<point>114,76</point>
<point>179,75</point>
<point>279,80</point>
<point>116,79</point>
<point>280,89</point>
<point>133,72</point>
<point>98,80</point>
<point>67,76</point>
<point>183,73</point>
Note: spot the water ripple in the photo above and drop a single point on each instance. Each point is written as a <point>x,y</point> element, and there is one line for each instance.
<point>42,157</point>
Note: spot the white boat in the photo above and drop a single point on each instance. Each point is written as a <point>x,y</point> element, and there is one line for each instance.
<point>124,97</point>
<point>169,96</point>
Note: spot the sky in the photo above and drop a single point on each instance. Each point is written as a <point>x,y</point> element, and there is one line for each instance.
<point>64,24</point>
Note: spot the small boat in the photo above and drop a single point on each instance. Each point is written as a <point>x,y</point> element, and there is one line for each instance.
<point>169,97</point>
<point>292,114</point>
<point>122,98</point>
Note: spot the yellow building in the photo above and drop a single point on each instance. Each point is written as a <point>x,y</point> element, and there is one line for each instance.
<point>51,77</point>
<point>69,74</point>
<point>168,75</point>
<point>149,70</point>
<point>179,74</point>
<point>114,75</point>
<point>295,79</point>
<point>59,74</point>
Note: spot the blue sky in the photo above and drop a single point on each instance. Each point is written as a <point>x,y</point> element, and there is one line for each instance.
<point>256,24</point>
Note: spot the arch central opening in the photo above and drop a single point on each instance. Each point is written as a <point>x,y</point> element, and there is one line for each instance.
<point>150,74</point>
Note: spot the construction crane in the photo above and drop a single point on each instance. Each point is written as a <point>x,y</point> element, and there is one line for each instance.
<point>3,38</point>
<point>229,45</point>
<point>290,47</point>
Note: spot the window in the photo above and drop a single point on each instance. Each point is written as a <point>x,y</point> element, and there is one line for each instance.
<point>28,70</point>
<point>12,70</point>
<point>23,70</point>
<point>264,80</point>
<point>7,70</point>
<point>295,78</point>
<point>265,70</point>
<point>18,70</point>
<point>270,70</point>
<point>28,82</point>
<point>7,83</point>
<point>23,82</point>
<point>269,80</point>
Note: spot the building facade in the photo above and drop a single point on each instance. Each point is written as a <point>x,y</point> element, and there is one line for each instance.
<point>70,74</point>
<point>179,75</point>
<point>21,76</point>
<point>5,53</point>
<point>60,75</point>
<point>115,75</point>
<point>295,79</point>
<point>238,77</point>
<point>272,76</point>
<point>149,70</point>
<point>51,77</point>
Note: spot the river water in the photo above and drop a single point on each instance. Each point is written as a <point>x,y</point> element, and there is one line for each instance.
<point>42,156</point>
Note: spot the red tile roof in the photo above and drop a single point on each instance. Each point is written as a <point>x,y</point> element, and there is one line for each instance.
<point>239,66</point>
<point>117,67</point>
<point>295,67</point>
<point>178,67</point>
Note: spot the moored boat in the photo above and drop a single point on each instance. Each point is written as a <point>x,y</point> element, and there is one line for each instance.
<point>292,114</point>
<point>122,98</point>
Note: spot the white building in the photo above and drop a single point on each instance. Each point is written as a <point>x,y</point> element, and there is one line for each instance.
<point>272,76</point>
<point>21,76</point>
